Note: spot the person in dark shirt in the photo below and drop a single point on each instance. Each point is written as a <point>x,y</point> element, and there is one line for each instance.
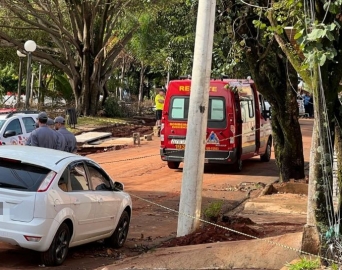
<point>43,136</point>
<point>61,142</point>
<point>69,137</point>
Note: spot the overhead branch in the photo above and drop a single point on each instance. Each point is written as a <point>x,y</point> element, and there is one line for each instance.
<point>38,53</point>
<point>288,50</point>
<point>114,52</point>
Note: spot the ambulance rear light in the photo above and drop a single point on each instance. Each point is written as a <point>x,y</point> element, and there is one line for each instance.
<point>232,138</point>
<point>162,137</point>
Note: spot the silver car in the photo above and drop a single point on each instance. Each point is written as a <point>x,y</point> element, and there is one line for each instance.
<point>52,200</point>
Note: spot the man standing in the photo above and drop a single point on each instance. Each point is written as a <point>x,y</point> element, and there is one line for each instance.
<point>159,100</point>
<point>306,99</point>
<point>61,142</point>
<point>69,137</point>
<point>43,136</point>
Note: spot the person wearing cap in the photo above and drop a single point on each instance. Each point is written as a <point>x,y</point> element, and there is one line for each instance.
<point>61,142</point>
<point>43,136</point>
<point>28,141</point>
<point>69,137</point>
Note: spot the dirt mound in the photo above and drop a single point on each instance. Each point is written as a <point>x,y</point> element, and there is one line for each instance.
<point>126,130</point>
<point>212,234</point>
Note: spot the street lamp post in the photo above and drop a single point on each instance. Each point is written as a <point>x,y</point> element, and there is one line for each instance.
<point>30,46</point>
<point>21,58</point>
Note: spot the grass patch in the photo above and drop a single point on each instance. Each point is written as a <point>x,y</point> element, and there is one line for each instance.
<point>212,212</point>
<point>98,121</point>
<point>91,121</point>
<point>305,264</point>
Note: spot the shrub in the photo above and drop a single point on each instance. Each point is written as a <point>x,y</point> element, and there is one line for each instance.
<point>212,212</point>
<point>112,107</point>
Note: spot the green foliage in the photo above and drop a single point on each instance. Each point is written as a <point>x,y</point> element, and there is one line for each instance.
<point>112,107</point>
<point>8,79</point>
<point>212,212</point>
<point>305,264</point>
<point>63,87</point>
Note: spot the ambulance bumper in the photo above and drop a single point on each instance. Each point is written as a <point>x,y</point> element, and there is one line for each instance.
<point>218,157</point>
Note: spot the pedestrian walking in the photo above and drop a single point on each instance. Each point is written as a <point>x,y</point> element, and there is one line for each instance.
<point>306,99</point>
<point>69,137</point>
<point>61,142</point>
<point>159,100</point>
<point>43,136</point>
<point>311,106</point>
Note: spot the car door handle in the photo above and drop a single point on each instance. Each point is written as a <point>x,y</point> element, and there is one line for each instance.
<point>77,202</point>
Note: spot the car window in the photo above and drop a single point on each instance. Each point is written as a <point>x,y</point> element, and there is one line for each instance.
<point>15,125</point>
<point>63,182</point>
<point>2,122</point>
<point>22,177</point>
<point>78,178</point>
<point>29,124</point>
<point>99,180</point>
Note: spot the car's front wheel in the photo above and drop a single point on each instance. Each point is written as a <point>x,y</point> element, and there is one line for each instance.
<point>59,247</point>
<point>118,238</point>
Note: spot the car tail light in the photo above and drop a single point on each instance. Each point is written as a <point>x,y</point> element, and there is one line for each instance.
<point>32,238</point>
<point>47,181</point>
<point>162,126</point>
<point>232,128</point>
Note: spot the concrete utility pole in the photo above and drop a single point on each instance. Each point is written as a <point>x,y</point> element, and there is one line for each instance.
<point>191,193</point>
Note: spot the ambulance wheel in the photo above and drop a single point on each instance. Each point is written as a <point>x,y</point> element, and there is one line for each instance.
<point>173,164</point>
<point>237,166</point>
<point>266,157</point>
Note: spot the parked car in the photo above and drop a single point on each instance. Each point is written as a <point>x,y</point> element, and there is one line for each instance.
<point>15,127</point>
<point>51,200</point>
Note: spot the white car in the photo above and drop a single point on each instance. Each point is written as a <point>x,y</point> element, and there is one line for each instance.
<point>52,200</point>
<point>15,127</point>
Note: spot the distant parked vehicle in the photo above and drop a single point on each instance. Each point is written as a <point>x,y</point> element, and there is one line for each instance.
<point>15,127</point>
<point>238,125</point>
<point>51,200</point>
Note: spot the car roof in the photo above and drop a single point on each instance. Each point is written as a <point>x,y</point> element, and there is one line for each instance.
<point>6,115</point>
<point>44,157</point>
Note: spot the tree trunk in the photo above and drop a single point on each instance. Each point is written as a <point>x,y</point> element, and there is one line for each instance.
<point>141,85</point>
<point>320,213</point>
<point>276,80</point>
<point>105,95</point>
<point>287,141</point>
<point>123,66</point>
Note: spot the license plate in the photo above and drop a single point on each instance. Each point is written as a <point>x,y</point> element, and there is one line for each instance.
<point>176,141</point>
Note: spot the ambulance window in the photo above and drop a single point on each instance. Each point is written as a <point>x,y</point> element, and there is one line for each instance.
<point>179,108</point>
<point>243,105</point>
<point>216,109</point>
<point>251,109</point>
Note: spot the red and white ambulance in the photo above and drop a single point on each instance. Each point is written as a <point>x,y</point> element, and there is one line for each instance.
<point>238,126</point>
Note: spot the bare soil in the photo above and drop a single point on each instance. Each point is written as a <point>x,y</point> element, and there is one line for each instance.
<point>146,177</point>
